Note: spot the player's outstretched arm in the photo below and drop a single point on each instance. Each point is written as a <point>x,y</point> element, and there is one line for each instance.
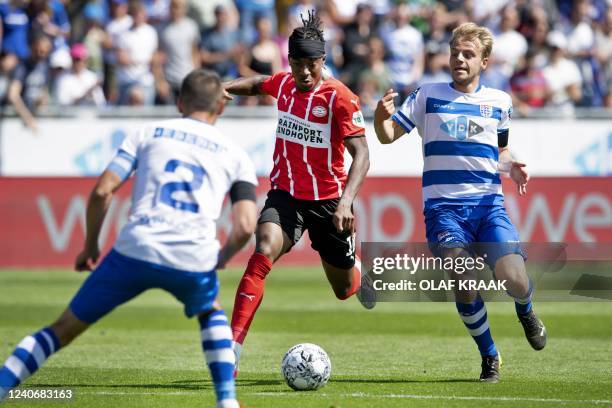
<point>386,129</point>
<point>247,86</point>
<point>244,221</point>
<point>517,170</point>
<point>97,206</point>
<point>343,218</point>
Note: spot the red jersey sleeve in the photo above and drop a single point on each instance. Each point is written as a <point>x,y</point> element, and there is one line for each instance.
<point>347,114</point>
<point>272,83</point>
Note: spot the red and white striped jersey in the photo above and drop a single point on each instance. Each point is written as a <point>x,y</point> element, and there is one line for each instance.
<point>310,132</point>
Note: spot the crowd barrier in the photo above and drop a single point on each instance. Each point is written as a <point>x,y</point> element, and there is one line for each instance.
<point>43,219</point>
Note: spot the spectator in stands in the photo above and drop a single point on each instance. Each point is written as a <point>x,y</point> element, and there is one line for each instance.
<point>603,52</point>
<point>333,35</point>
<point>178,53</point>
<point>528,85</point>
<point>374,80</point>
<point>220,46</point>
<point>7,69</point>
<point>158,13</point>
<point>249,11</point>
<point>262,58</point>
<point>580,47</point>
<point>120,22</point>
<point>79,86</point>
<point>29,88</point>
<point>536,29</point>
<point>135,50</point>
<point>405,54</point>
<point>49,17</point>
<point>562,77</point>
<point>495,77</point>
<point>342,12</point>
<point>93,38</point>
<point>436,64</point>
<point>355,46</point>
<point>509,46</point>
<point>203,13</point>
<point>437,21</point>
<point>15,25</point>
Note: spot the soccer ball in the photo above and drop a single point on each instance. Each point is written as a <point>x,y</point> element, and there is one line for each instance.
<point>306,367</point>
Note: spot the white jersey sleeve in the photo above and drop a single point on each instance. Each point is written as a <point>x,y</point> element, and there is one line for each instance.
<point>410,113</point>
<point>124,163</point>
<point>506,115</point>
<point>245,169</point>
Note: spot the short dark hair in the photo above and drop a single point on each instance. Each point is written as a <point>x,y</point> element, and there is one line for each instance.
<point>201,91</point>
<point>311,29</point>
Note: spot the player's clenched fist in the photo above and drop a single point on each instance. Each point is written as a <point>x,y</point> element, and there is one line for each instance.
<point>385,107</point>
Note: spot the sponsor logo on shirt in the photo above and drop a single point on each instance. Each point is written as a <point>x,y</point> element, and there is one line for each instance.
<point>358,119</point>
<point>446,236</point>
<point>461,128</point>
<point>295,130</point>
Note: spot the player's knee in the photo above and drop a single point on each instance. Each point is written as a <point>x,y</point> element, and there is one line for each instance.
<point>268,245</point>
<point>466,296</point>
<point>511,268</point>
<point>266,250</point>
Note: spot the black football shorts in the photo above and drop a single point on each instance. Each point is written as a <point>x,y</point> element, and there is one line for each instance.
<point>296,216</point>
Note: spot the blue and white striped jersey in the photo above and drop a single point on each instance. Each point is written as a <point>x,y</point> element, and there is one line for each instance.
<point>459,133</point>
<point>183,171</point>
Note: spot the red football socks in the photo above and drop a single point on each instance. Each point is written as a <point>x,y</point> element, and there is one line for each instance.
<point>249,295</point>
<point>356,284</point>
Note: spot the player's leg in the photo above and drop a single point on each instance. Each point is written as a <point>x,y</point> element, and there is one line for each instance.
<point>511,268</point>
<point>106,288</point>
<point>270,244</point>
<point>279,227</point>
<point>216,338</point>
<point>337,251</point>
<point>198,291</point>
<point>449,233</point>
<point>505,257</point>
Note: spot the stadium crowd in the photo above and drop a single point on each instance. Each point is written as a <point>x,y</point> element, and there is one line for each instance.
<point>547,53</point>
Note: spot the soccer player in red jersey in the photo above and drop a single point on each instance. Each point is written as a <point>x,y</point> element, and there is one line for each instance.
<point>318,118</point>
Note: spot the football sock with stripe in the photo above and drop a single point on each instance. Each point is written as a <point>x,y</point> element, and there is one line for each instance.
<point>474,316</point>
<point>249,295</point>
<point>28,357</point>
<point>523,305</point>
<point>217,345</point>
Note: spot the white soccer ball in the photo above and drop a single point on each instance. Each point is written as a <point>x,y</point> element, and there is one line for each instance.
<point>306,367</point>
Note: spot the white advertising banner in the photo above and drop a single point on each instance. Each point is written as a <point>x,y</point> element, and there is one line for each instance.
<point>84,146</point>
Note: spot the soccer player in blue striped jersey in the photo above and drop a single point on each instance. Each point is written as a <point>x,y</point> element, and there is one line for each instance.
<point>183,170</point>
<point>464,128</point>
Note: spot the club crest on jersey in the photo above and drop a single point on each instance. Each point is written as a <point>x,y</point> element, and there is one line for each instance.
<point>319,111</point>
<point>486,111</point>
<point>461,128</point>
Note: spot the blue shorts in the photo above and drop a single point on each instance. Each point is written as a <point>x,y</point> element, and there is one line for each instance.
<point>479,229</point>
<point>119,279</point>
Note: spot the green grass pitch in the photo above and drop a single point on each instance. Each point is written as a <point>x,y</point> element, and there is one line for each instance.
<point>147,354</point>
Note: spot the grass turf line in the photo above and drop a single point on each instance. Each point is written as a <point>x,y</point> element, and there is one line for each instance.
<point>147,353</point>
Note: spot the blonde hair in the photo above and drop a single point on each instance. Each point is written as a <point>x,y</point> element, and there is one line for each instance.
<point>472,32</point>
